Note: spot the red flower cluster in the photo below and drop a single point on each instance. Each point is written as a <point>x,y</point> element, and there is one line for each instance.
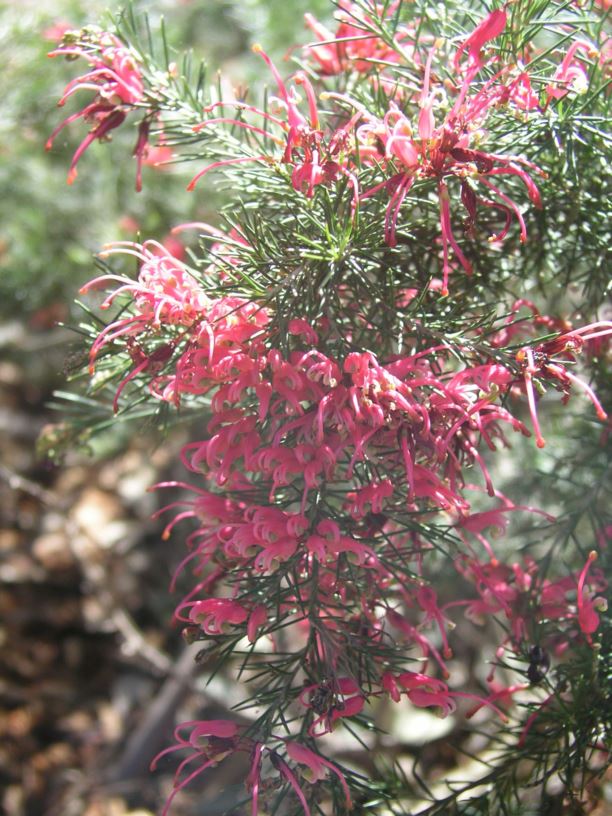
<point>311,465</point>
<point>212,741</point>
<point>327,461</point>
<point>351,48</point>
<point>423,151</point>
<point>116,79</point>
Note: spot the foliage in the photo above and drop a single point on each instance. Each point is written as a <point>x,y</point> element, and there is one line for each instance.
<point>408,270</point>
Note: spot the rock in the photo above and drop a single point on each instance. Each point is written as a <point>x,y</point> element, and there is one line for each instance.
<point>52,550</point>
<point>96,513</point>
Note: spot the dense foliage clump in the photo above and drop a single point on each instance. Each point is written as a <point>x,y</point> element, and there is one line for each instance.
<point>406,285</point>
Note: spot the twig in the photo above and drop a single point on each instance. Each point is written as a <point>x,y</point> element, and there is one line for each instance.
<point>17,482</point>
<point>147,739</point>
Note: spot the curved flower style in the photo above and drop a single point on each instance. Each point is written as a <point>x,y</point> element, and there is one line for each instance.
<point>314,160</point>
<point>116,79</point>
<point>539,361</point>
<point>571,74</point>
<point>316,766</point>
<point>210,742</point>
<point>350,49</point>
<point>447,151</point>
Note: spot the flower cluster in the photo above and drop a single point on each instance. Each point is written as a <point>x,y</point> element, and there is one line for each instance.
<point>212,741</point>
<point>407,151</point>
<point>311,469</point>
<point>116,79</point>
<point>350,48</point>
<point>346,452</point>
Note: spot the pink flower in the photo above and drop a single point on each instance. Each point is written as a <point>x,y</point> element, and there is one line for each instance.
<point>210,742</point>
<point>539,362</point>
<point>372,496</point>
<point>521,94</point>
<point>423,691</point>
<point>253,781</point>
<point>165,291</point>
<point>328,542</point>
<point>301,327</point>
<point>571,74</point>
<point>427,599</point>
<point>501,695</point>
<point>491,27</point>
<point>257,618</point>
<point>316,766</point>
<point>413,635</point>
<point>327,54</point>
<point>445,152</point>
<point>354,49</point>
<point>214,614</point>
<point>496,519</point>
<point>588,619</point>
<point>117,81</point>
<point>333,701</point>
<point>314,160</point>
<point>285,771</point>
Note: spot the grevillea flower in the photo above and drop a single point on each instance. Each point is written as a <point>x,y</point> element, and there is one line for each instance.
<point>496,520</point>
<point>210,742</point>
<point>214,614</point>
<point>315,767</point>
<point>423,691</point>
<point>369,499</point>
<point>571,74</point>
<point>424,151</point>
<point>313,159</point>
<point>427,599</point>
<point>540,362</point>
<point>522,595</point>
<point>491,27</point>
<point>415,636</point>
<point>588,619</point>
<point>500,695</point>
<point>257,618</point>
<point>332,701</point>
<point>351,47</point>
<point>116,79</point>
<point>521,94</point>
<point>210,333</point>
